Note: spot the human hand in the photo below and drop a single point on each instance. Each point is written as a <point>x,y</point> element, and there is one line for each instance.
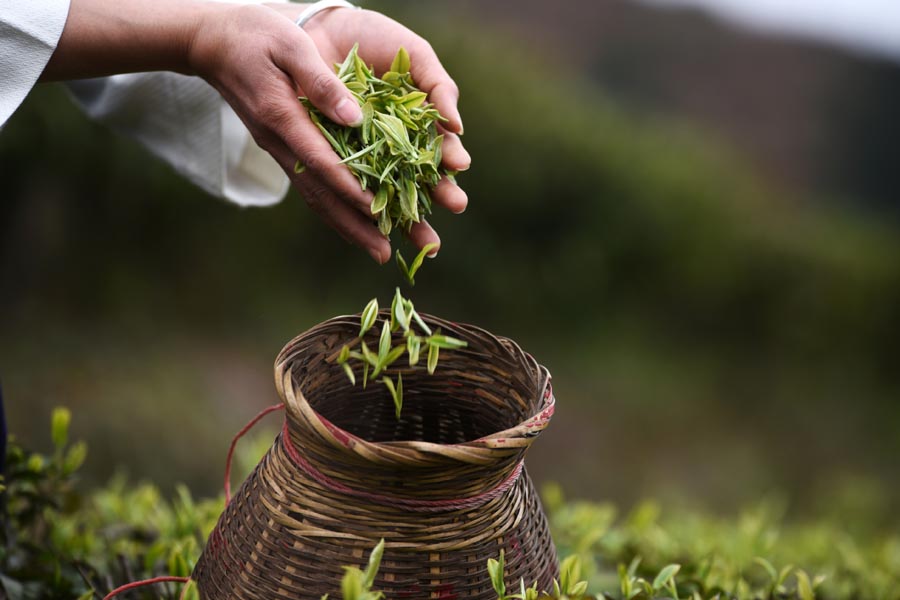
<point>260,61</point>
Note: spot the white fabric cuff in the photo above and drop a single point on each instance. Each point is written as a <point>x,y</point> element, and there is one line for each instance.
<point>184,121</point>
<point>29,32</point>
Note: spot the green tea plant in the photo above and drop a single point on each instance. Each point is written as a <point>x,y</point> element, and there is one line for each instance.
<point>399,327</point>
<point>60,543</point>
<point>396,152</point>
<point>357,584</point>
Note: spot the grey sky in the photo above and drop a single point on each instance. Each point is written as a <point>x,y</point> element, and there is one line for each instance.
<point>871,26</point>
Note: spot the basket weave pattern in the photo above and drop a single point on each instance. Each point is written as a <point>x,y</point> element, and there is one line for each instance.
<point>444,485</point>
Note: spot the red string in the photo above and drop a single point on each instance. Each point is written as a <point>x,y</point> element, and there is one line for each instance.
<point>234,441</point>
<point>137,584</point>
<point>408,503</point>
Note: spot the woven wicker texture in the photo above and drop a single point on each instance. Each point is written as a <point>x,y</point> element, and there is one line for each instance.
<point>444,485</point>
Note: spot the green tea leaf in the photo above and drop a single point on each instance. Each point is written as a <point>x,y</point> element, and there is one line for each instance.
<point>665,576</point>
<point>767,566</point>
<point>419,259</point>
<point>422,325</point>
<point>412,99</point>
<point>374,563</point>
<point>371,357</point>
<point>413,346</point>
<point>349,371</point>
<point>445,341</point>
<point>392,356</point>
<point>396,393</point>
<point>59,427</point>
<point>352,583</point>
<point>299,167</point>
<point>380,201</point>
<point>401,62</point>
<point>399,311</point>
<point>369,314</point>
<point>75,457</point>
<point>804,586</point>
<point>384,344</point>
<point>433,353</point>
<point>401,263</point>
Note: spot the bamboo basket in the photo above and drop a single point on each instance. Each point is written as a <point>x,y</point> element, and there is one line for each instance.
<point>444,485</point>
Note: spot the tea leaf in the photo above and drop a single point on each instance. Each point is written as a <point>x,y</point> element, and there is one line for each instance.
<point>413,345</point>
<point>352,583</point>
<point>495,571</point>
<point>419,259</point>
<point>401,263</point>
<point>299,167</point>
<point>444,341</point>
<point>396,393</point>
<point>370,356</point>
<point>384,344</point>
<point>767,566</point>
<point>665,576</point>
<point>349,371</point>
<point>374,564</point>
<point>399,312</point>
<point>393,355</point>
<point>804,586</point>
<point>412,99</point>
<point>75,457</point>
<point>380,201</point>
<point>344,355</point>
<point>433,352</point>
<point>401,62</point>
<point>59,427</point>
<point>369,314</point>
<point>424,326</point>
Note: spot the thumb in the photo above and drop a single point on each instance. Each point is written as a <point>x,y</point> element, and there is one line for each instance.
<point>320,84</point>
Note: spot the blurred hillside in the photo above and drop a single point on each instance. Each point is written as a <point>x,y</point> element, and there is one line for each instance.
<point>816,119</point>
<point>713,333</point>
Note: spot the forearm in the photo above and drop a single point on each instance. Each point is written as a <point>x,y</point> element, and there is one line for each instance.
<point>103,37</point>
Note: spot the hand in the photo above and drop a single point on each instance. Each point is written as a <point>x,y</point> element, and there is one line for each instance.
<point>260,61</point>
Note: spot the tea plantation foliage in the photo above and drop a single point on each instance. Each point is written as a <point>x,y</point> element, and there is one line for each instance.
<point>62,543</point>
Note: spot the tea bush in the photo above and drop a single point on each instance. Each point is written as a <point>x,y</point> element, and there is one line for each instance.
<point>63,543</point>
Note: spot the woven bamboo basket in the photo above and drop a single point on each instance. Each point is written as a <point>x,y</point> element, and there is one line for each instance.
<point>444,486</point>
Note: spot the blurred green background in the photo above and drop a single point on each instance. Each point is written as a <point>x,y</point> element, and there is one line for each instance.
<point>694,228</point>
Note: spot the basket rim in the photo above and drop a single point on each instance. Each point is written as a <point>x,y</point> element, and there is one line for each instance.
<point>509,442</point>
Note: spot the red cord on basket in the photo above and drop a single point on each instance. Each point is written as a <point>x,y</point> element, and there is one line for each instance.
<point>137,584</point>
<point>234,441</point>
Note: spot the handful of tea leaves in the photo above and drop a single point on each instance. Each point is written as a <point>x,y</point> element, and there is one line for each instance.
<point>396,152</point>
<point>403,317</point>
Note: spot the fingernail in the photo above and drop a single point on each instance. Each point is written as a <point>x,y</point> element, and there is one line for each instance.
<point>461,128</point>
<point>433,254</point>
<point>349,112</point>
<point>380,256</point>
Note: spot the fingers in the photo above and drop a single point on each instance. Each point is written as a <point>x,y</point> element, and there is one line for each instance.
<point>430,75</point>
<point>450,196</point>
<point>421,234</point>
<point>346,220</point>
<point>301,60</point>
<point>315,153</point>
<point>455,157</point>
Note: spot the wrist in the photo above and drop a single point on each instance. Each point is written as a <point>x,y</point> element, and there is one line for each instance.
<point>105,37</point>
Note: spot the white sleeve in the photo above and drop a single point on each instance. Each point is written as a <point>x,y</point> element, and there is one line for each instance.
<point>181,119</point>
<point>184,121</point>
<point>29,32</point>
